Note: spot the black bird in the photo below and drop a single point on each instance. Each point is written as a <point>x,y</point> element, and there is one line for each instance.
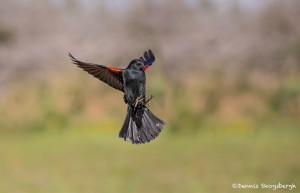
<point>140,125</point>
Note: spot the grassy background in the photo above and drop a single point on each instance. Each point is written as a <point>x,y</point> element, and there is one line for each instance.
<point>60,138</point>
<point>210,161</point>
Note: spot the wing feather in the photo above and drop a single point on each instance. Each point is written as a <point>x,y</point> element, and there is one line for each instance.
<point>110,75</point>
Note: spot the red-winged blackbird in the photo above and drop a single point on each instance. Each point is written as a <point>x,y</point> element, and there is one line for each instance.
<point>140,124</point>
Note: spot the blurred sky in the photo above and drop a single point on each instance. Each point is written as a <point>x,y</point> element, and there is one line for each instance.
<point>122,5</point>
<point>201,33</point>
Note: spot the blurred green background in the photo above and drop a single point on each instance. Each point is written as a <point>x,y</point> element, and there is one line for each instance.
<point>226,81</point>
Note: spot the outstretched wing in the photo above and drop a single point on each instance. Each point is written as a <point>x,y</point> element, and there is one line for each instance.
<point>148,58</point>
<point>110,75</point>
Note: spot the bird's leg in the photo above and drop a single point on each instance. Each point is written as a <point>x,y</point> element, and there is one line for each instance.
<point>137,100</point>
<point>149,99</point>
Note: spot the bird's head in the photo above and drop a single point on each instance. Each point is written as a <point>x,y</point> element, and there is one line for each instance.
<point>142,63</point>
<point>136,64</point>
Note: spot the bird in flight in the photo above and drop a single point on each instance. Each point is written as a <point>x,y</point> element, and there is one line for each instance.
<point>140,125</point>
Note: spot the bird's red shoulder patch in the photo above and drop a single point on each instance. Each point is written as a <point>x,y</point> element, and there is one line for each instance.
<point>114,69</point>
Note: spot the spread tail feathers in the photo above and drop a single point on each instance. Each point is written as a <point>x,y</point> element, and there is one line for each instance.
<point>150,128</point>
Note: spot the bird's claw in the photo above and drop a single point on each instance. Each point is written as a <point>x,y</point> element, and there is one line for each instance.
<point>148,100</point>
<point>140,99</point>
<point>137,100</point>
